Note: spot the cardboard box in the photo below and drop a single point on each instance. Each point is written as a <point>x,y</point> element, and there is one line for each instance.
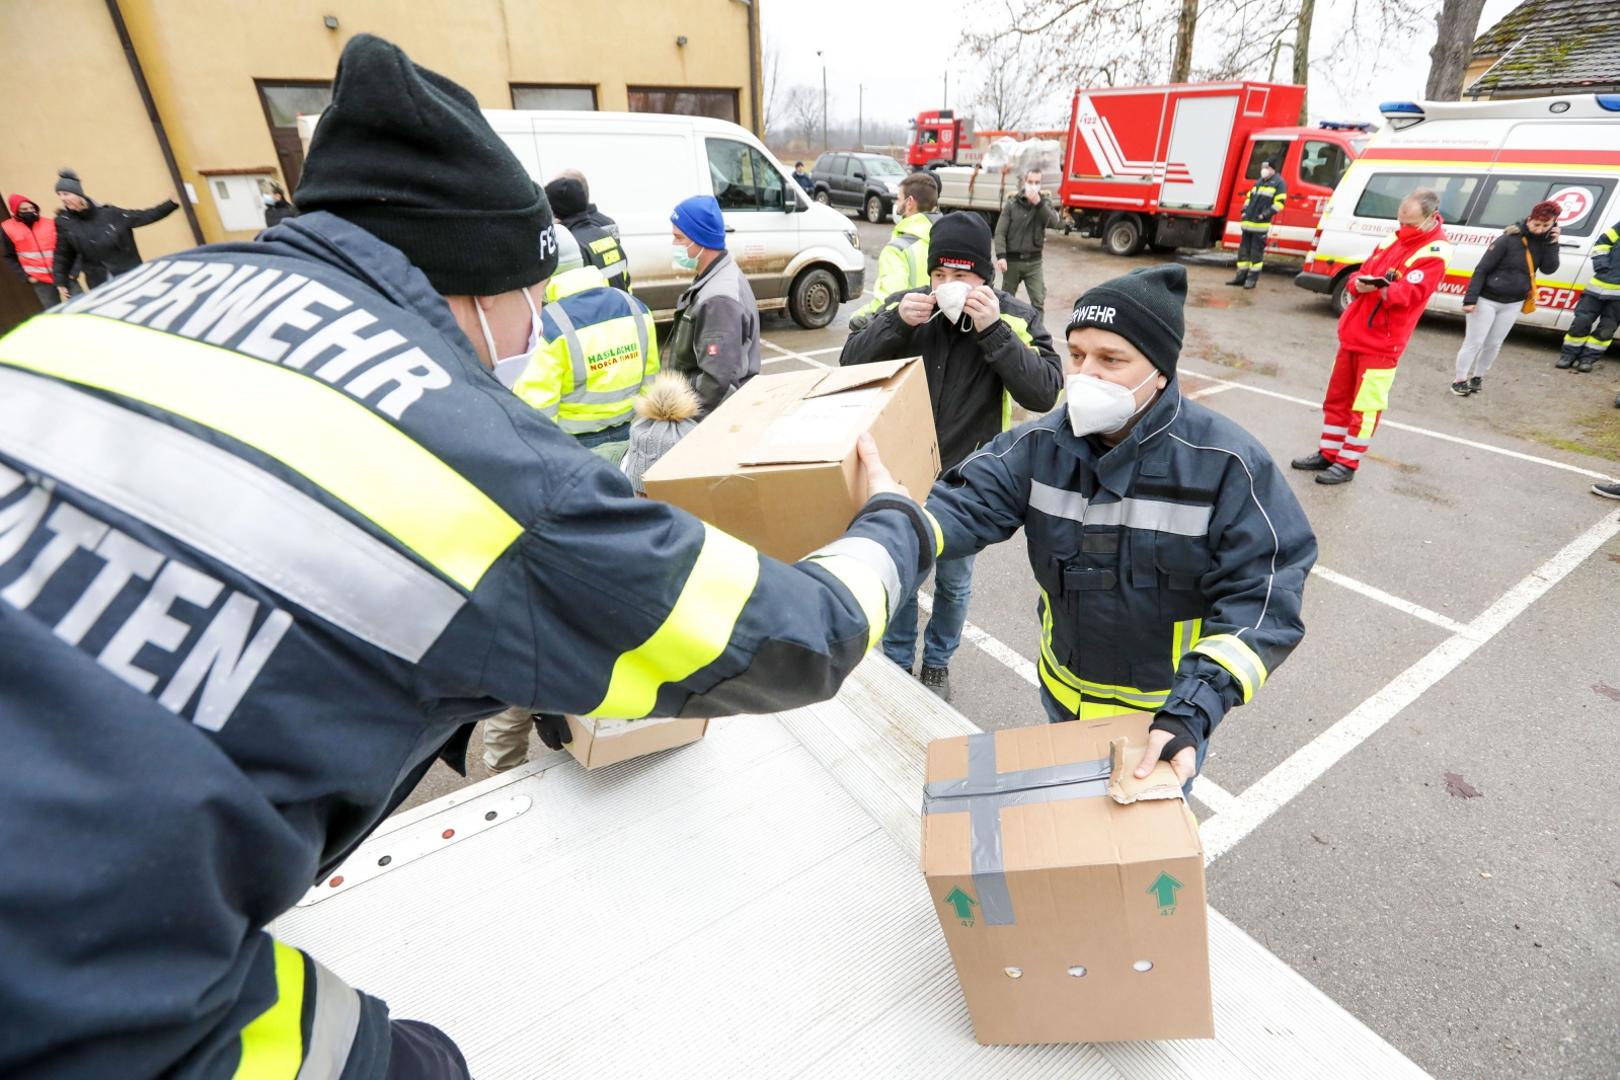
<point>1070,917</point>
<point>775,464</point>
<point>607,742</point>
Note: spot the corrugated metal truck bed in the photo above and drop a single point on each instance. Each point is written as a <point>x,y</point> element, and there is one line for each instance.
<point>747,906</point>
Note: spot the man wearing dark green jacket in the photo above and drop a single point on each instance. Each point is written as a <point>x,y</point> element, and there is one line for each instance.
<point>1021,240</point>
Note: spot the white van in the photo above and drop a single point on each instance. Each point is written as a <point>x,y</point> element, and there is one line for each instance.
<point>797,254</point>
<point>1490,161</point>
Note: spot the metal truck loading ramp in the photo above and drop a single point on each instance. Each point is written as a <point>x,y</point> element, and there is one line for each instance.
<point>747,906</point>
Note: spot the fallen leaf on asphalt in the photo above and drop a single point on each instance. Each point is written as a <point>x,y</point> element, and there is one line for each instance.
<point>1462,789</point>
<point>1610,692</point>
<point>1319,840</point>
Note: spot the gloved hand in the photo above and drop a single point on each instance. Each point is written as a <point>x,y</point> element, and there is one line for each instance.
<point>552,729</point>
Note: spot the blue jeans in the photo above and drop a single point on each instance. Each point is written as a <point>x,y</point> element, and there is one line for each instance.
<point>1057,714</point>
<point>953,586</point>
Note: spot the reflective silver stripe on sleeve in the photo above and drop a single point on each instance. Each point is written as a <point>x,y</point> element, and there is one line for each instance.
<point>332,1030</point>
<point>1156,514</point>
<point>869,553</point>
<point>223,506</point>
<point>588,427</point>
<point>641,337</point>
<point>575,353</point>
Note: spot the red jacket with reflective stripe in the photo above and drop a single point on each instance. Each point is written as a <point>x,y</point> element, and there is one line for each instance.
<point>1382,321</point>
<point>35,248</point>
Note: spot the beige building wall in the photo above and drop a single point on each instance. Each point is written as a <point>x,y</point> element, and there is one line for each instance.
<point>201,58</point>
<point>75,104</point>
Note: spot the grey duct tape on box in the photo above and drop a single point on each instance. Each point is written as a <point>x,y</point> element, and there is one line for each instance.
<point>986,792</point>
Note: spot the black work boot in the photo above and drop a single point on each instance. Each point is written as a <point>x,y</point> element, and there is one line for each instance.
<point>938,680</point>
<point>1242,276</point>
<point>1252,279</point>
<point>1338,474</point>
<point>1583,366</point>
<point>1566,359</point>
<point>1311,462</point>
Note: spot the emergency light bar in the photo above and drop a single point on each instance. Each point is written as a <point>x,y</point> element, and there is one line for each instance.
<point>1610,102</point>
<point>1402,114</point>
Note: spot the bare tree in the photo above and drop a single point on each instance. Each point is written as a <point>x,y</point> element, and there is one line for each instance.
<point>771,78</point>
<point>1458,23</point>
<point>802,109</point>
<point>1117,42</point>
<point>1007,96</point>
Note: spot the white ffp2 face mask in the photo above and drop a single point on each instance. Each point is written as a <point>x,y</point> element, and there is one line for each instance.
<point>489,338</point>
<point>951,296</point>
<point>1099,407</point>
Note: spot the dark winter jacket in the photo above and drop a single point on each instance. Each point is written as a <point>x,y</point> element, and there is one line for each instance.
<point>297,569</point>
<point>276,213</point>
<point>1502,275</point>
<point>102,238</point>
<point>715,339</point>
<point>1021,228</point>
<point>968,371</point>
<point>1171,567</point>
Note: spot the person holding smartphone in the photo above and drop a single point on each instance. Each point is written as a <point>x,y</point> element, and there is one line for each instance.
<point>1503,285</point>
<point>1390,289</point>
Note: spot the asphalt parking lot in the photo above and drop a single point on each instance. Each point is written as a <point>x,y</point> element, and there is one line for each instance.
<point>1418,813</point>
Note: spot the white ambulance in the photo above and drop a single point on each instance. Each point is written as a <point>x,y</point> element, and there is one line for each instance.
<point>1490,162</point>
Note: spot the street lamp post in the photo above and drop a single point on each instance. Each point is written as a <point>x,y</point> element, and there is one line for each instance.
<point>823,102</point>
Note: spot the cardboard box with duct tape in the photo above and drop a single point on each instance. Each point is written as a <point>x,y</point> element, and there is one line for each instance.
<point>1071,894</point>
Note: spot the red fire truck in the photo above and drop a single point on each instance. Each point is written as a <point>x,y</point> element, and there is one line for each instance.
<point>1169,166</point>
<point>939,137</point>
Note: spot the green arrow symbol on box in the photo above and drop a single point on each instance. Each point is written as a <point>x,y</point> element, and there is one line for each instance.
<point>962,902</point>
<point>1165,886</point>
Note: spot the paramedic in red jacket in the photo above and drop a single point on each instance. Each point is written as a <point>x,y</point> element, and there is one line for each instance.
<point>1391,289</point>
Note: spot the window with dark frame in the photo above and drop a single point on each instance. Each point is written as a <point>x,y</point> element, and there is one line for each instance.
<point>1385,192</point>
<point>685,101</point>
<point>283,103</point>
<point>554,96</point>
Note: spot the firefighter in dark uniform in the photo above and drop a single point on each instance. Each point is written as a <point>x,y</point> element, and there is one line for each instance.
<point>1170,551</point>
<point>1265,200</point>
<point>1597,313</point>
<point>272,538</point>
<point>598,243</point>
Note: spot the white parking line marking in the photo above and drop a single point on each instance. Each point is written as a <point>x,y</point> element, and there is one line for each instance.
<point>1205,790</point>
<point>1372,592</point>
<point>1442,436</point>
<point>791,355</point>
<point>1209,391</point>
<point>1306,765</point>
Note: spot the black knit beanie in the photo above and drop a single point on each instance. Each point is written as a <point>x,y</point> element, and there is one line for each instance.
<point>405,154</point>
<point>961,241</point>
<point>567,197</point>
<point>1144,307</point>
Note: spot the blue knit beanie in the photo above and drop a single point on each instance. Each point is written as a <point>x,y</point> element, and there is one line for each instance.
<point>700,219</point>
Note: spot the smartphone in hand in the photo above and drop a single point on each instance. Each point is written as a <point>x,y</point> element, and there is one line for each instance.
<point>1374,280</point>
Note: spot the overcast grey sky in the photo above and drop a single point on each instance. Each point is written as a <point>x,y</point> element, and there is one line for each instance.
<point>857,38</point>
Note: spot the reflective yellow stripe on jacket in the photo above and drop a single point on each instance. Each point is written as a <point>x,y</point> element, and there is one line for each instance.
<point>1072,691</point>
<point>312,428</point>
<point>273,1044</point>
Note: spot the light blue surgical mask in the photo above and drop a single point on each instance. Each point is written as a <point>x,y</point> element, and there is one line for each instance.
<point>681,257</point>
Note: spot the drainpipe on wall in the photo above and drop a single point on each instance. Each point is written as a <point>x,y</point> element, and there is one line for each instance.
<point>753,69</point>
<point>157,121</point>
